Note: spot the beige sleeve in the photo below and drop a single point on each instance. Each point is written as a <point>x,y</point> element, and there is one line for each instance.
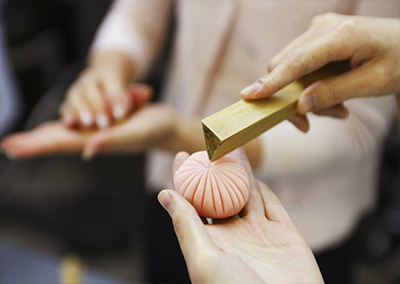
<point>331,145</point>
<point>136,28</point>
<point>378,8</point>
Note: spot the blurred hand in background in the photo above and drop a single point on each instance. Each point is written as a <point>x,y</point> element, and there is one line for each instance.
<point>103,94</point>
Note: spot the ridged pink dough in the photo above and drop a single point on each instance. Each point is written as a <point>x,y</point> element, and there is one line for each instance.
<point>216,190</point>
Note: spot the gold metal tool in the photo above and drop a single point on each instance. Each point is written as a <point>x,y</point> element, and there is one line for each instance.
<point>245,120</point>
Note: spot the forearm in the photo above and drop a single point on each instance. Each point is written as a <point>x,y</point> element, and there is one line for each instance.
<point>136,28</point>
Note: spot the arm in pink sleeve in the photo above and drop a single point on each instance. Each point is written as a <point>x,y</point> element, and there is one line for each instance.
<point>136,28</point>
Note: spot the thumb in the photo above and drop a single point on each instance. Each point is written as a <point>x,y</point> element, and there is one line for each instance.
<point>192,234</point>
<point>363,81</point>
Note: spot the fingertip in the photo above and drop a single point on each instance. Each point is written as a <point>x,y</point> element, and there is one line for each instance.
<point>251,92</point>
<point>5,142</point>
<point>179,159</point>
<point>119,111</point>
<point>87,154</point>
<point>182,155</point>
<point>338,111</point>
<point>165,198</point>
<point>91,149</point>
<point>10,140</point>
<point>342,111</point>
<point>102,120</point>
<point>300,122</point>
<point>307,103</point>
<point>303,127</point>
<point>10,155</point>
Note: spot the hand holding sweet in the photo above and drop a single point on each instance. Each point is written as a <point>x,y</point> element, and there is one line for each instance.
<point>259,245</point>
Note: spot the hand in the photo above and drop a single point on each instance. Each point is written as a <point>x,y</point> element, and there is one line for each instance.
<point>371,44</point>
<point>259,245</point>
<point>102,94</point>
<point>150,126</point>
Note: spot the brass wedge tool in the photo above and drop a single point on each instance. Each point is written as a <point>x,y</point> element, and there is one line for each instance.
<point>245,120</point>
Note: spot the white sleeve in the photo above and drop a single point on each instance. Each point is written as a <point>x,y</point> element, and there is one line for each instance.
<point>381,8</point>
<point>135,27</point>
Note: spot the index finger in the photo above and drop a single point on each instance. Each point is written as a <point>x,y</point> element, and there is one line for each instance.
<point>299,62</point>
<point>179,159</point>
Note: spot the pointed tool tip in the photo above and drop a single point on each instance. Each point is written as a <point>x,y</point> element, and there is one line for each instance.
<point>212,142</point>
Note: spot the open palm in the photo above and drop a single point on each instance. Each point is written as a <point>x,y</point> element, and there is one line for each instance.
<point>145,128</point>
<point>259,245</point>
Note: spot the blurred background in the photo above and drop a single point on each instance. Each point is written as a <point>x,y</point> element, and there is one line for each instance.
<point>59,208</point>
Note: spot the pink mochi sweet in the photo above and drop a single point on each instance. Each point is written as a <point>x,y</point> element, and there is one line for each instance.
<point>217,189</point>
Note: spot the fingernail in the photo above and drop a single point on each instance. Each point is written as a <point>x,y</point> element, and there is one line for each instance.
<point>102,121</point>
<point>307,103</point>
<point>86,118</point>
<point>251,89</point>
<point>165,199</point>
<point>118,111</point>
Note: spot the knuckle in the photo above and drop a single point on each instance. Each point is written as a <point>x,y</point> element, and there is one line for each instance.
<point>348,26</point>
<point>328,94</point>
<point>323,18</point>
<point>334,93</point>
<point>296,60</point>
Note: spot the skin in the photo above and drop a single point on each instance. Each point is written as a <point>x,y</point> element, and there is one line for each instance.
<point>100,96</point>
<point>372,45</point>
<point>259,245</point>
<point>104,113</point>
<point>141,131</point>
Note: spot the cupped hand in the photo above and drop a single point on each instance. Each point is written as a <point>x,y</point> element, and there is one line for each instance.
<point>259,245</point>
<point>372,45</point>
<point>102,95</point>
<point>149,126</point>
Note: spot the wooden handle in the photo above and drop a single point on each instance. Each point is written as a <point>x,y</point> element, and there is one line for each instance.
<point>245,120</point>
